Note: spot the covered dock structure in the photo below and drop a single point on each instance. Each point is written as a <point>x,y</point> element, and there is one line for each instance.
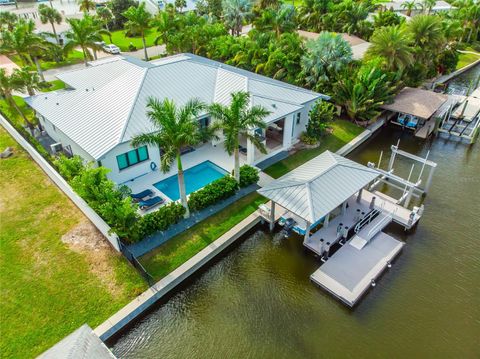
<point>328,198</point>
<point>416,109</point>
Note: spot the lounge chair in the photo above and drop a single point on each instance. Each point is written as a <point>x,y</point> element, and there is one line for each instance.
<point>141,195</point>
<point>151,202</point>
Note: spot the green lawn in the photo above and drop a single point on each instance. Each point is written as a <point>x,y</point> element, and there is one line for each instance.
<point>75,57</point>
<point>122,41</point>
<point>466,59</point>
<point>54,86</point>
<point>343,132</point>
<point>47,289</point>
<point>184,246</point>
<point>13,115</point>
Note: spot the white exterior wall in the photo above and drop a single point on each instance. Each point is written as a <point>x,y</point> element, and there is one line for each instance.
<point>304,117</point>
<point>109,160</point>
<point>59,136</point>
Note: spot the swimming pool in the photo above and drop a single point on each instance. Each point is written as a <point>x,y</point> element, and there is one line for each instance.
<point>196,177</point>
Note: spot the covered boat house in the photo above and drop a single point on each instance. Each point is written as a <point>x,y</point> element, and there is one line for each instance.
<point>329,200</point>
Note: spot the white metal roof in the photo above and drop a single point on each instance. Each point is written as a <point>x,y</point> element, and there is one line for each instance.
<point>107,105</point>
<point>317,187</point>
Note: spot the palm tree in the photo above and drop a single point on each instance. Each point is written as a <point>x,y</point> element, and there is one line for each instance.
<point>324,58</point>
<point>409,6</point>
<point>105,14</point>
<point>86,5</point>
<point>392,44</point>
<point>427,5</point>
<point>85,33</point>
<point>352,14</point>
<point>175,127</point>
<point>8,19</point>
<point>362,93</point>
<point>277,20</point>
<point>51,15</point>
<point>164,23</point>
<point>427,35</point>
<point>23,42</point>
<point>236,120</point>
<point>311,13</point>
<point>234,14</point>
<point>28,80</point>
<point>138,23</point>
<point>9,84</point>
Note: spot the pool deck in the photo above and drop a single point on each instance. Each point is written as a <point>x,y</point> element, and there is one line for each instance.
<point>349,273</point>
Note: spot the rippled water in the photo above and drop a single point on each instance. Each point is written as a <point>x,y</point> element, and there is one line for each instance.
<point>258,301</point>
<point>461,84</point>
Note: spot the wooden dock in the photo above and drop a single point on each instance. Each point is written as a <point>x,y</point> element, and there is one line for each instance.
<point>350,272</point>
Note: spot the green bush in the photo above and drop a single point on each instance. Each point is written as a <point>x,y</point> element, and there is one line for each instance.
<point>320,115</point>
<point>212,193</point>
<point>131,47</point>
<point>305,138</point>
<point>159,220</point>
<point>248,175</point>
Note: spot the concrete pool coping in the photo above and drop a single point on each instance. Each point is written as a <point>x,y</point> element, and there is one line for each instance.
<point>144,301</point>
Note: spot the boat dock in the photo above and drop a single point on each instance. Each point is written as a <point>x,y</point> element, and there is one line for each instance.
<point>332,201</point>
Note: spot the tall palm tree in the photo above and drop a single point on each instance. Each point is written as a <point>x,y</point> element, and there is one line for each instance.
<point>236,120</point>
<point>427,35</point>
<point>278,20</point>
<point>84,33</point>
<point>427,5</point>
<point>105,15</point>
<point>86,5</point>
<point>409,6</point>
<point>23,42</point>
<point>9,84</point>
<point>311,13</point>
<point>138,22</point>
<point>235,12</point>
<point>50,15</point>
<point>175,127</point>
<point>392,44</point>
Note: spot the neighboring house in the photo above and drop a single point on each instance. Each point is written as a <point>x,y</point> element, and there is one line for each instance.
<point>104,107</point>
<point>397,6</point>
<point>358,45</point>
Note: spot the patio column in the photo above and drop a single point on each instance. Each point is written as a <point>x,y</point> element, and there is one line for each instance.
<point>326,221</point>
<point>287,131</point>
<point>359,197</point>
<point>307,232</point>
<point>250,152</point>
<point>272,215</point>
<point>344,207</point>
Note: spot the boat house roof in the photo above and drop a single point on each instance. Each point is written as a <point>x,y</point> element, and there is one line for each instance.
<point>317,187</point>
<point>416,102</point>
<point>83,343</point>
<point>105,104</point>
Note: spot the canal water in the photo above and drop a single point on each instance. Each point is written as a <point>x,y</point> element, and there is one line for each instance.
<point>258,301</point>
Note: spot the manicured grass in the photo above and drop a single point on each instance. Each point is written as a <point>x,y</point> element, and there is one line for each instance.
<point>466,59</point>
<point>122,41</point>
<point>184,246</point>
<point>54,86</point>
<point>75,57</point>
<point>343,132</point>
<point>47,289</point>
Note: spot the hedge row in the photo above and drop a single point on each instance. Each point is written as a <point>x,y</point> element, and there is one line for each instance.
<point>212,193</point>
<point>159,220</point>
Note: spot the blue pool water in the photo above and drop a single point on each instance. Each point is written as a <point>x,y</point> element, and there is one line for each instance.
<point>196,177</point>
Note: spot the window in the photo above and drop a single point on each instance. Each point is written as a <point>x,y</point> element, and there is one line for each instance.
<point>132,157</point>
<point>299,115</point>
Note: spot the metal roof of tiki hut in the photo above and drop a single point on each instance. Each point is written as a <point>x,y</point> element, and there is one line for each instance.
<point>416,102</point>
<point>317,187</point>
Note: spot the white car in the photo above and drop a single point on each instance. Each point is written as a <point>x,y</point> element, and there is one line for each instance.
<point>111,48</point>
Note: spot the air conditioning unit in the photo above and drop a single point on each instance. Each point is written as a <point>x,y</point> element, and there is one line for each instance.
<point>56,148</point>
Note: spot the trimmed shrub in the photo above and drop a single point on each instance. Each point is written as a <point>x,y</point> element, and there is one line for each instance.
<point>212,193</point>
<point>248,175</point>
<point>159,220</point>
<point>320,115</point>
